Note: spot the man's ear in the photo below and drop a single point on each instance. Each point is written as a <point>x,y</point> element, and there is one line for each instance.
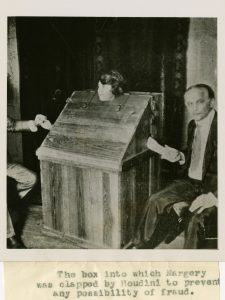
<point>212,103</point>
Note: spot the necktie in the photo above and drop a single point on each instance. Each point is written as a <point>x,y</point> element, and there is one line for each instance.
<point>196,150</point>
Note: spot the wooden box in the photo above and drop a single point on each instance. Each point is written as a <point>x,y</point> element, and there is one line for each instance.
<point>95,173</point>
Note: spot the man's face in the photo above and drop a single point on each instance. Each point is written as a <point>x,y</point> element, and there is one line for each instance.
<point>105,92</point>
<point>198,103</point>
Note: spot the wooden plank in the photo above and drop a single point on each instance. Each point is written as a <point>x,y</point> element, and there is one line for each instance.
<point>98,114</point>
<point>128,205</point>
<point>80,203</point>
<point>141,132</point>
<point>138,99</point>
<point>135,193</point>
<point>73,203</point>
<point>115,208</point>
<point>56,195</point>
<point>78,160</point>
<point>95,122</point>
<point>90,131</point>
<point>140,136</point>
<point>88,147</point>
<point>107,211</point>
<point>46,196</point>
<point>52,195</point>
<point>66,181</point>
<point>114,111</point>
<point>132,202</point>
<point>142,189</point>
<point>136,159</point>
<point>83,96</point>
<point>93,205</point>
<point>131,149</point>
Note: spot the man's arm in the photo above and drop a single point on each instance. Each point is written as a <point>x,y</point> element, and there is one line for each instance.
<point>166,152</point>
<point>31,125</point>
<point>14,125</point>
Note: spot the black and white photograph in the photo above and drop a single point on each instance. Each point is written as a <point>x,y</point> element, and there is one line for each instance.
<point>112,133</point>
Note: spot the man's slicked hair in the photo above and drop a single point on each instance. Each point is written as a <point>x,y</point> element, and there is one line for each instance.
<point>210,91</point>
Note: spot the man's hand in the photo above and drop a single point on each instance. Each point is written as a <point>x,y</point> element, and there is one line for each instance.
<point>171,154</point>
<point>166,152</point>
<point>40,119</point>
<point>202,202</point>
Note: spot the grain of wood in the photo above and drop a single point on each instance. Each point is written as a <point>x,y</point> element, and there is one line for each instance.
<point>92,199</point>
<point>93,205</point>
<point>46,196</point>
<point>73,204</point>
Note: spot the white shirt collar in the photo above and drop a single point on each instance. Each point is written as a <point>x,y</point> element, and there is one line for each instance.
<point>207,120</point>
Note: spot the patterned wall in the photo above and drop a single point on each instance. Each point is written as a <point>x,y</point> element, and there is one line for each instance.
<point>59,55</point>
<point>151,54</point>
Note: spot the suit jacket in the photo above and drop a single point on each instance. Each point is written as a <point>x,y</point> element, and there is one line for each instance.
<point>209,172</point>
<point>10,124</point>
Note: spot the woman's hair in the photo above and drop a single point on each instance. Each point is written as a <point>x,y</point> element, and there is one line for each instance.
<point>115,79</point>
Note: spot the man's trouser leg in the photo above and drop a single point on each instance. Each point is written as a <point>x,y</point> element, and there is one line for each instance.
<point>195,231</point>
<point>25,181</point>
<point>25,178</point>
<point>10,229</point>
<point>158,203</point>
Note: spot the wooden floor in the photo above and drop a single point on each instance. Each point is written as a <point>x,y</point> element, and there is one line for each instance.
<point>178,243</point>
<point>34,238</point>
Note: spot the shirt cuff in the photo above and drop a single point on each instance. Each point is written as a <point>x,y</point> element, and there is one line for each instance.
<point>182,158</point>
<point>32,126</point>
<point>213,198</point>
<point>163,154</point>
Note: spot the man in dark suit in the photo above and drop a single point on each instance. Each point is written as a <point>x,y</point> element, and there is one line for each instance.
<point>186,203</point>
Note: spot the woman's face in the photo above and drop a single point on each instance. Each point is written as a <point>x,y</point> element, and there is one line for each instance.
<point>105,92</point>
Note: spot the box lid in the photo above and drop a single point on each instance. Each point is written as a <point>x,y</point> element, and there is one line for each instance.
<point>89,132</point>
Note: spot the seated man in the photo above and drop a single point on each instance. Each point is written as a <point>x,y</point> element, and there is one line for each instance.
<point>187,202</point>
<point>25,179</point>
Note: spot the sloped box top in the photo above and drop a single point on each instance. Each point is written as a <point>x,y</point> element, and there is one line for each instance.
<point>92,133</point>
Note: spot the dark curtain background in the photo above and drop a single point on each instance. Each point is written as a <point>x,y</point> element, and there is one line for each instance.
<point>60,55</point>
<point>151,53</point>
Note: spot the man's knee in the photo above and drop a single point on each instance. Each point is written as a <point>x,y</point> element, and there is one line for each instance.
<point>158,201</point>
<point>155,200</point>
<point>28,183</point>
<point>179,207</point>
<point>29,180</point>
<point>33,179</point>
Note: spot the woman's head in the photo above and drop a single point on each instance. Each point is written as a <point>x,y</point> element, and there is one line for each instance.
<point>110,85</point>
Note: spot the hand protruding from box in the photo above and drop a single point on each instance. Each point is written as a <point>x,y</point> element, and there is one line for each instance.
<point>41,120</point>
<point>168,153</point>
